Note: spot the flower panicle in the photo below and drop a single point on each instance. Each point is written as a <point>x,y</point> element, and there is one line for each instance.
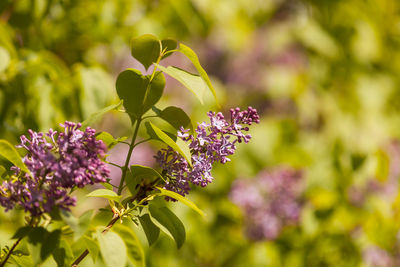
<point>63,160</point>
<point>213,142</point>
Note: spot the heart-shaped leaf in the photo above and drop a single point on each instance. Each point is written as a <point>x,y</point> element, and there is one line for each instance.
<point>22,232</point>
<point>168,45</point>
<point>139,172</point>
<point>52,241</point>
<point>146,49</point>
<point>131,88</point>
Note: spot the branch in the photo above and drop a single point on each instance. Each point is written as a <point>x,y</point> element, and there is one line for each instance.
<point>105,230</point>
<point>11,251</point>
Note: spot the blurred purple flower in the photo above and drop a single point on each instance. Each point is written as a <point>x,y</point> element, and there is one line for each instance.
<point>269,202</point>
<point>61,161</point>
<point>374,256</point>
<point>213,142</point>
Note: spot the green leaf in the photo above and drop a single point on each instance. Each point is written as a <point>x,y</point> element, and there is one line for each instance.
<point>156,110</point>
<point>104,193</point>
<point>92,246</point>
<point>109,140</point>
<point>180,146</point>
<point>168,44</point>
<point>169,223</point>
<point>23,261</point>
<point>34,251</point>
<point>107,186</point>
<point>176,117</point>
<point>131,88</point>
<point>10,153</point>
<point>97,115</point>
<point>131,183</point>
<point>146,49</point>
<point>37,235</point>
<point>134,248</point>
<point>2,171</point>
<point>22,232</point>
<point>191,55</point>
<point>59,255</point>
<point>52,241</point>
<point>191,81</point>
<point>155,91</point>
<point>78,226</point>
<point>83,224</point>
<point>112,249</point>
<point>180,198</point>
<point>150,229</point>
<point>153,134</point>
<point>63,255</point>
<point>139,172</point>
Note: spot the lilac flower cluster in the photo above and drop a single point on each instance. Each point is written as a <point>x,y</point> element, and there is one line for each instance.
<point>378,257</point>
<point>213,142</point>
<point>61,161</point>
<point>269,202</point>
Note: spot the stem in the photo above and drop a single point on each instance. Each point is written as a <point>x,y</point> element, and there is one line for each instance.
<point>116,165</point>
<point>128,157</point>
<point>15,244</point>
<point>105,230</point>
<point>150,116</point>
<point>11,251</point>
<point>139,120</point>
<point>141,142</point>
<point>125,168</point>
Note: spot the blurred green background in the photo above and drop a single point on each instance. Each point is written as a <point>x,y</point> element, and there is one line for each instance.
<point>323,74</point>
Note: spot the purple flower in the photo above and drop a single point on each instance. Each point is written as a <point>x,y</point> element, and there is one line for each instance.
<point>269,202</point>
<point>61,161</point>
<point>213,142</point>
<point>377,257</point>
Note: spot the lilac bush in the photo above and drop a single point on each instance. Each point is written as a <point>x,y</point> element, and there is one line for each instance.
<point>213,142</point>
<point>269,202</point>
<point>57,162</point>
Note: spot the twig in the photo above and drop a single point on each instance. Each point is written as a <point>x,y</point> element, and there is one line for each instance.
<point>10,251</point>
